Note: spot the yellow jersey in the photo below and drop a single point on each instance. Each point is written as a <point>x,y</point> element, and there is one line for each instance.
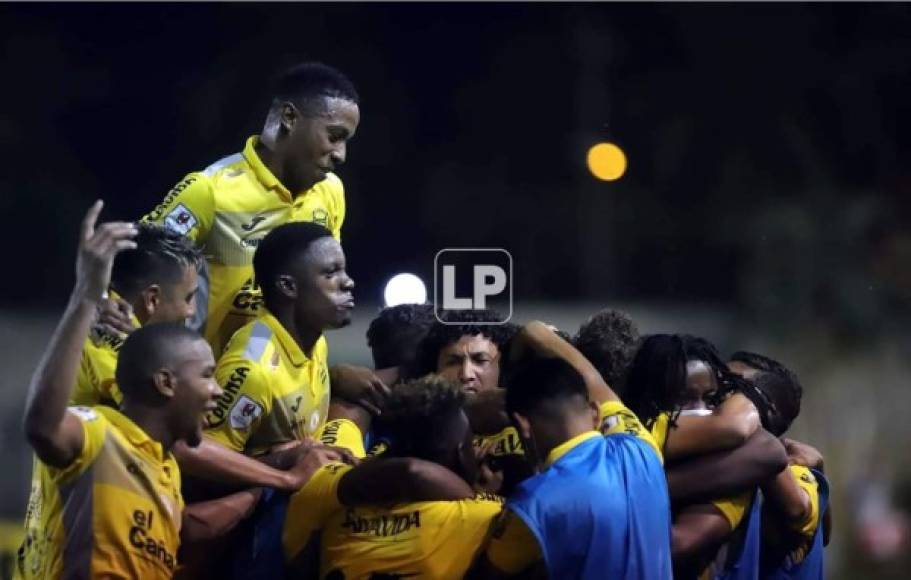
<point>227,209</point>
<point>115,512</point>
<point>436,539</point>
<point>793,537</point>
<point>343,433</point>
<point>273,392</point>
<point>95,384</point>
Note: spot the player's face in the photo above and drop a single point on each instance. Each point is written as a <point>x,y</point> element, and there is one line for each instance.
<point>319,141</point>
<point>196,391</point>
<point>324,295</point>
<point>473,361</point>
<point>700,381</point>
<point>177,302</point>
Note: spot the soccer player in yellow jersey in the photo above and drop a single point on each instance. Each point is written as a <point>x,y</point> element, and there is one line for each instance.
<point>158,279</point>
<point>282,175</point>
<point>416,539</point>
<point>105,498</point>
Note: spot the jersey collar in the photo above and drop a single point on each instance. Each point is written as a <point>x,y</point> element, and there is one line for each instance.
<point>564,448</point>
<point>133,433</point>
<point>285,340</point>
<point>266,177</point>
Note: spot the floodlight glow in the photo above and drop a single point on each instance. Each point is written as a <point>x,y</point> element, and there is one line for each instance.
<point>405,289</point>
<point>606,161</point>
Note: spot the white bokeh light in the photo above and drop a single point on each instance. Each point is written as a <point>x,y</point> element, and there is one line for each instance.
<point>405,289</point>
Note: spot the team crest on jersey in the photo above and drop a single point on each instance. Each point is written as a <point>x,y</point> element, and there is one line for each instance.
<point>244,412</point>
<point>321,217</point>
<point>180,220</point>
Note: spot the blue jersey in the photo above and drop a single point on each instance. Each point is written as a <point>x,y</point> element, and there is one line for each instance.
<point>742,561</point>
<point>798,565</point>
<point>601,511</point>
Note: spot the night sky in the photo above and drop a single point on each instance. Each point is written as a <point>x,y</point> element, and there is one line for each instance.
<point>761,138</point>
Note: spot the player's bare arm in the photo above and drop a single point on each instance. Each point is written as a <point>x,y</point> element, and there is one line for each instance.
<point>56,435</point>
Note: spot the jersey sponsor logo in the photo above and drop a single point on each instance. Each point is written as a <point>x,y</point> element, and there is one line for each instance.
<point>249,297</point>
<point>86,414</point>
<point>140,539</point>
<point>321,217</point>
<point>156,213</point>
<point>329,435</point>
<point>244,412</point>
<point>386,525</point>
<point>229,394</point>
<point>250,242</point>
<point>180,220</point>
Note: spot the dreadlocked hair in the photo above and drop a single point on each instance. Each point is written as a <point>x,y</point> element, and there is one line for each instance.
<point>609,340</point>
<point>657,378</point>
<point>700,349</point>
<point>458,324</point>
<point>418,416</point>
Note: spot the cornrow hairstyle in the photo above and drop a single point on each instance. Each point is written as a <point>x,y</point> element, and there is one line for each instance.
<point>609,340</point>
<point>418,416</point>
<point>278,249</point>
<point>161,256</point>
<point>460,323</point>
<point>394,335</point>
<point>307,84</point>
<point>775,391</point>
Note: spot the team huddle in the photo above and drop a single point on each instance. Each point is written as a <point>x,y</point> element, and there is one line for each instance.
<point>186,422</point>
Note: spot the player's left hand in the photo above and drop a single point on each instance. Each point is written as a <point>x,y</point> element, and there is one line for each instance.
<point>359,385</point>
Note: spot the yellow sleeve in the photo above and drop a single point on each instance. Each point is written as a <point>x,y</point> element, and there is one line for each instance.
<point>244,402</point>
<point>506,442</point>
<point>734,507</point>
<point>93,429</point>
<point>513,547</point>
<point>95,383</point>
<point>614,417</point>
<point>338,207</point>
<point>188,209</point>
<point>343,433</point>
<point>807,481</point>
<point>310,506</point>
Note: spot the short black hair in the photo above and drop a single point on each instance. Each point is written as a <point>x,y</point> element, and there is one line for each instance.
<point>418,416</point>
<point>278,249</point>
<point>609,340</point>
<point>145,351</point>
<point>538,381</point>
<point>394,335</point>
<point>442,335</point>
<point>160,257</point>
<point>309,82</point>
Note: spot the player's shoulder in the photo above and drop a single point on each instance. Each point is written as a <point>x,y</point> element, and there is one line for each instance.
<point>228,167</point>
<point>251,343</point>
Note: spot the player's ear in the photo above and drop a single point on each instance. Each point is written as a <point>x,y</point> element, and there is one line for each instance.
<point>596,413</point>
<point>165,382</point>
<point>287,285</point>
<point>151,298</point>
<point>288,116</point>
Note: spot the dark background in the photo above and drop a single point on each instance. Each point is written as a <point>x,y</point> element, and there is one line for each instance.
<point>753,131</point>
<point>765,205</point>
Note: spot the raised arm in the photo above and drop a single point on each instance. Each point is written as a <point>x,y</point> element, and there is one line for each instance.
<point>728,472</point>
<point>55,435</point>
<point>544,342</point>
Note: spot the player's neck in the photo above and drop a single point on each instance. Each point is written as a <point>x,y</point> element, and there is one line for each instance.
<point>550,436</point>
<point>151,421</point>
<point>303,334</point>
<point>275,162</point>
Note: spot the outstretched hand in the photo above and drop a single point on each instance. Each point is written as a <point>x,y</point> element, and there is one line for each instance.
<point>97,248</point>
